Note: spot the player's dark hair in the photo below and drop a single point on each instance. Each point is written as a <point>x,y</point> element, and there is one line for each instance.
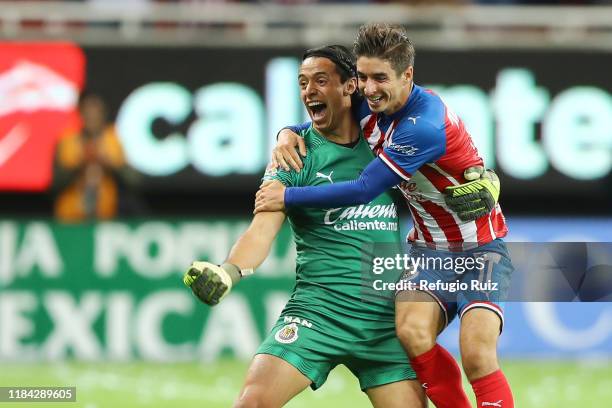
<point>339,55</point>
<point>388,42</point>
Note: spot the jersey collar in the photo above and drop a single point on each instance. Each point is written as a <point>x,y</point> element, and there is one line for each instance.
<point>410,103</point>
<point>323,139</point>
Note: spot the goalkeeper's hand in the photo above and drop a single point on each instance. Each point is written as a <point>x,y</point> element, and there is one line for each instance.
<point>209,282</point>
<point>475,198</point>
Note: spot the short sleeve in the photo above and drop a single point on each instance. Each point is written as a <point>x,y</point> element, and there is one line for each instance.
<point>412,146</point>
<point>288,178</point>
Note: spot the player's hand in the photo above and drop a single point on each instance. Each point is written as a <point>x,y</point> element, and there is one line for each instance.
<point>475,198</point>
<point>285,153</point>
<point>209,282</point>
<point>270,197</point>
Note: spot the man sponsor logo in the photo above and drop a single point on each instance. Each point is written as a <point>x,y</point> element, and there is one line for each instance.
<point>291,319</point>
<point>288,334</point>
<point>492,404</point>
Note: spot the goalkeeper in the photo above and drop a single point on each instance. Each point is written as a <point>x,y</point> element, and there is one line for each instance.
<point>326,322</point>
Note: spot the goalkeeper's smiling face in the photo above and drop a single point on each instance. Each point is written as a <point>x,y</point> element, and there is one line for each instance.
<point>326,98</point>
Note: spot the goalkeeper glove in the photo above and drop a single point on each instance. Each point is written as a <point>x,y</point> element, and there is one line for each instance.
<point>210,283</point>
<point>475,198</point>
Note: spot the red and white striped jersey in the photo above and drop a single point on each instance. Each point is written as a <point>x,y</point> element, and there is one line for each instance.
<point>427,145</point>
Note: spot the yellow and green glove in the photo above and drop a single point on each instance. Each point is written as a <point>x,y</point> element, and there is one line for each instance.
<point>475,198</point>
<point>209,282</point>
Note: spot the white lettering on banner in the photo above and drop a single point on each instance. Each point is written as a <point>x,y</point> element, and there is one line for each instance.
<point>518,106</point>
<point>135,118</point>
<point>159,262</point>
<point>15,326</point>
<point>131,329</point>
<point>118,325</point>
<point>216,138</point>
<point>37,249</point>
<point>112,241</point>
<point>214,144</point>
<point>175,246</point>
<point>8,248</point>
<point>230,325</point>
<point>504,123</point>
<point>282,101</point>
<point>543,319</point>
<point>72,325</point>
<point>148,329</point>
<point>576,126</point>
<point>578,133</point>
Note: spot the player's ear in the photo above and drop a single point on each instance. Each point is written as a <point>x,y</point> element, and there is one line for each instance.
<point>408,74</point>
<point>350,86</point>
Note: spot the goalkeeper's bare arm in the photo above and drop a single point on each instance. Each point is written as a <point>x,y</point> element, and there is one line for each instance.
<point>210,282</point>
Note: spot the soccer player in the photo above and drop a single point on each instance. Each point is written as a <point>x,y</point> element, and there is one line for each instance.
<point>326,322</point>
<point>423,147</point>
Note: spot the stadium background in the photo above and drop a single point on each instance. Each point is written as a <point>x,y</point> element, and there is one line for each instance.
<point>197,93</point>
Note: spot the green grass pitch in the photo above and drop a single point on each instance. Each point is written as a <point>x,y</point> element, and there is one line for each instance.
<point>541,384</point>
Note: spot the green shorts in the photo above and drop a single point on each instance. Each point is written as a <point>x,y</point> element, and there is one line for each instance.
<point>315,344</point>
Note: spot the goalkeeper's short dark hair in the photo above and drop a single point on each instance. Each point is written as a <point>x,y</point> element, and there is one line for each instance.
<point>341,56</point>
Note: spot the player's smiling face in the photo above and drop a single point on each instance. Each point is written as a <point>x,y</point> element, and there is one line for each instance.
<point>383,88</point>
<point>326,98</point>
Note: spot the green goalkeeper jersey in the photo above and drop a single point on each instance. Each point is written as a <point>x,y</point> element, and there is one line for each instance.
<point>335,245</point>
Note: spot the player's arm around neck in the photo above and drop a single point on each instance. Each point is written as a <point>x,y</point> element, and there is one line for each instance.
<point>253,246</point>
<point>374,180</point>
<point>290,148</point>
